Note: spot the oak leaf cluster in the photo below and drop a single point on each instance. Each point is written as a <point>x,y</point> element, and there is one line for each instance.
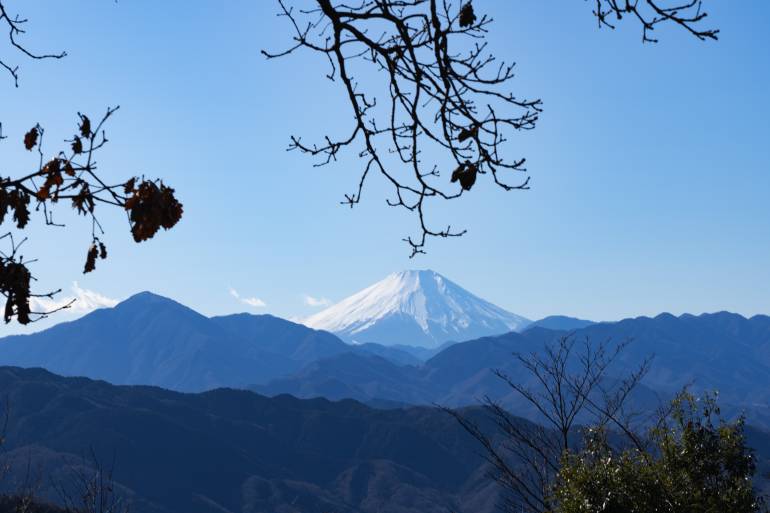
<point>72,175</point>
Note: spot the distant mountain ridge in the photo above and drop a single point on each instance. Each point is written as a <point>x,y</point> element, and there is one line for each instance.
<point>721,351</point>
<point>232,450</point>
<point>417,308</point>
<point>151,340</point>
<point>560,323</point>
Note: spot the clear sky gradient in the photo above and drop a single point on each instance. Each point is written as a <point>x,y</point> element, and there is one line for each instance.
<point>650,166</point>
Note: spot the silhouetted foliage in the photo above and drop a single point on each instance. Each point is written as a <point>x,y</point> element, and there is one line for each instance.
<point>697,463</point>
<point>92,489</point>
<point>448,110</point>
<point>24,504</point>
<point>568,385</point>
<point>594,453</point>
<point>69,175</point>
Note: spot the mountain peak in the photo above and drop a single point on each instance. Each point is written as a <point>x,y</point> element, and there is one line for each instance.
<point>145,298</point>
<point>560,323</point>
<point>414,307</point>
<point>416,273</point>
<point>147,303</point>
<point>144,295</point>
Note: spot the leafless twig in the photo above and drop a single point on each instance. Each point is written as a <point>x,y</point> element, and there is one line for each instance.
<point>448,109</point>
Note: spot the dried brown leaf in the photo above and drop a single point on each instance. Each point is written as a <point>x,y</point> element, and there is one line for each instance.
<point>30,138</point>
<point>467,16</point>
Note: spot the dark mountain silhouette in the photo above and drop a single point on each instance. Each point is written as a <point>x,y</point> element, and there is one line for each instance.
<point>400,355</point>
<point>278,336</point>
<point>146,339</point>
<point>722,351</point>
<point>228,450</point>
<point>458,376</point>
<point>355,376</point>
<point>152,340</point>
<point>560,323</point>
<point>234,450</point>
<point>16,503</point>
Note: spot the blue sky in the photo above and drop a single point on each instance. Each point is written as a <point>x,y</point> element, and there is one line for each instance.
<point>649,167</point>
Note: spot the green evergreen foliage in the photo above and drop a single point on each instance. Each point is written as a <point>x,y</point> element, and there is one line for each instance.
<point>693,462</point>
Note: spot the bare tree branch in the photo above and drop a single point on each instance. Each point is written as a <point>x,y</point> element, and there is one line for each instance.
<point>569,385</point>
<point>445,95</point>
<point>72,175</point>
<point>448,109</point>
<point>687,14</point>
<point>14,24</point>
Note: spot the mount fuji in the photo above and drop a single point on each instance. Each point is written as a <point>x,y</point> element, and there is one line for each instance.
<point>416,308</point>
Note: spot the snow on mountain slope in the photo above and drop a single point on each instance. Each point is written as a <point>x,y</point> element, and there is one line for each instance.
<point>418,308</point>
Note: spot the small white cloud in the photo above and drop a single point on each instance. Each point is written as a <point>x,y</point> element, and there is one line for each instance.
<point>81,301</point>
<point>253,302</point>
<point>315,301</point>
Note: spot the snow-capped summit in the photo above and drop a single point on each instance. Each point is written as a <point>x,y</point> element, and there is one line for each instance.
<point>418,308</point>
